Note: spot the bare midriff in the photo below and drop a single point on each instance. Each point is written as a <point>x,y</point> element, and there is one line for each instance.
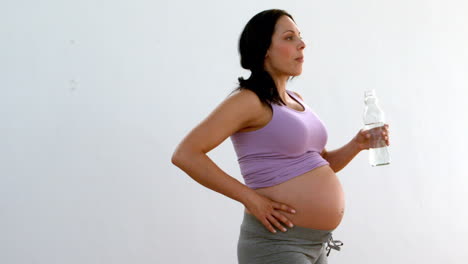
<point>317,196</point>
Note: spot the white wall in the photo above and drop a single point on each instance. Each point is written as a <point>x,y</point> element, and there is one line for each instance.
<point>95,96</point>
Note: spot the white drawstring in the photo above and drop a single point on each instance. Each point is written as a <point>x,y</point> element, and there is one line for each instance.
<point>333,244</point>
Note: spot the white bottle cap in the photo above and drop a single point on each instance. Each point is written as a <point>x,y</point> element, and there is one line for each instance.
<point>369,93</point>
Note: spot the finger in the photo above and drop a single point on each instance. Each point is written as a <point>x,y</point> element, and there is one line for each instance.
<point>275,222</point>
<point>283,218</point>
<point>283,207</point>
<point>268,225</point>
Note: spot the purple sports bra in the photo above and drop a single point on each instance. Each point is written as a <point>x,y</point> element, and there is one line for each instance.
<point>288,146</point>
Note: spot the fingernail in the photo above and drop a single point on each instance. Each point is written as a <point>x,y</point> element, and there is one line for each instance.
<point>291,225</point>
<point>293,211</point>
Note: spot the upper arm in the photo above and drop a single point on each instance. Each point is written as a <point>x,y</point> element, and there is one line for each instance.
<point>234,113</point>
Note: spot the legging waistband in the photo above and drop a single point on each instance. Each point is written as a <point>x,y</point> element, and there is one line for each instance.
<point>251,224</point>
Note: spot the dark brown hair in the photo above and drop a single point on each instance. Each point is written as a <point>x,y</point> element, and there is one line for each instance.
<point>253,45</point>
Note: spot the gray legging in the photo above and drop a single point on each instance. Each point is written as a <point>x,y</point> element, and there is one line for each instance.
<point>298,245</point>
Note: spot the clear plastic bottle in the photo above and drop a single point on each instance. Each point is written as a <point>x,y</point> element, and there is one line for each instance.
<point>374,120</point>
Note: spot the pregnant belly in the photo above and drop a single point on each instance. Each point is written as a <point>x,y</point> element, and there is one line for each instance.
<point>316,195</point>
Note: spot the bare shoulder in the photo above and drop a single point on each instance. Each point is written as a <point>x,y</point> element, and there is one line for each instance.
<point>246,98</point>
<point>247,107</point>
<point>237,111</point>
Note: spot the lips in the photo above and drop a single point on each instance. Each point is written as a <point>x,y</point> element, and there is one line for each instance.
<point>300,59</point>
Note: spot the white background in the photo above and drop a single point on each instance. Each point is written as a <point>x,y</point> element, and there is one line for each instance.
<point>95,96</point>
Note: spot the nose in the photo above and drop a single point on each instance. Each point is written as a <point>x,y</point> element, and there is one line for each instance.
<point>302,44</point>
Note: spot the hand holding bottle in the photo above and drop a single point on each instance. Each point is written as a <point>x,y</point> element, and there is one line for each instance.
<point>375,131</point>
<point>372,138</point>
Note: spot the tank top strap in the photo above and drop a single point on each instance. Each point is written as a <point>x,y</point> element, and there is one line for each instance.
<point>299,100</point>
<point>291,93</point>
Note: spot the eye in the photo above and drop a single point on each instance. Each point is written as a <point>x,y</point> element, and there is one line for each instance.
<point>292,37</point>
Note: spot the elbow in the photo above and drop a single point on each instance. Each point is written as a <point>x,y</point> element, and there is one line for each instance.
<point>177,156</point>
<point>181,155</point>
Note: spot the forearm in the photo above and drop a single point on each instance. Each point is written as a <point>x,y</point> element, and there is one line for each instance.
<point>339,158</point>
<point>204,171</point>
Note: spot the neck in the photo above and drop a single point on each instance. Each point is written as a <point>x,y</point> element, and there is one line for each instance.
<point>280,82</point>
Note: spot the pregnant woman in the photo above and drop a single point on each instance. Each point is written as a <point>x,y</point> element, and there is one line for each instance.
<point>290,181</point>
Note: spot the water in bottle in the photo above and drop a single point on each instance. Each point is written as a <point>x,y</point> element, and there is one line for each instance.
<point>374,120</point>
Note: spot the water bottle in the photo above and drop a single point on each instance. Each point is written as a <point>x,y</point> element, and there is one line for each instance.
<point>374,120</point>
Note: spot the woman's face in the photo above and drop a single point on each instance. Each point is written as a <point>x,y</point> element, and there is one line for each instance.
<point>285,54</point>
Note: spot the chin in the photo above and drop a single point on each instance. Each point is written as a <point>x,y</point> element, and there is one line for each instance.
<point>296,73</point>
<point>291,73</point>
